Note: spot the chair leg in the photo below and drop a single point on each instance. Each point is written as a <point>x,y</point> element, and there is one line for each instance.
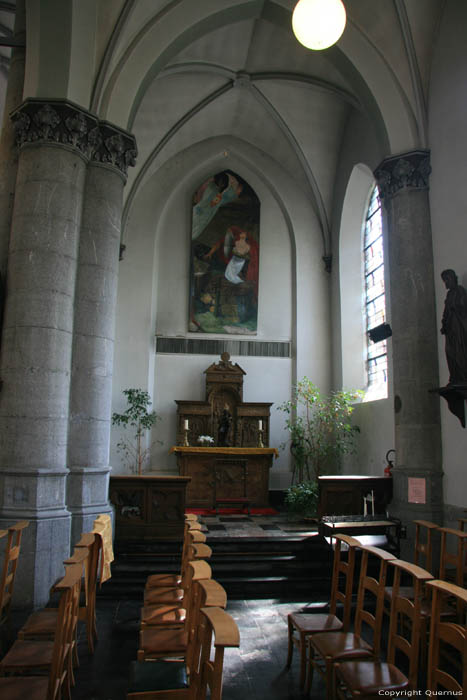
<point>330,695</point>
<point>309,679</point>
<point>290,647</point>
<point>303,660</point>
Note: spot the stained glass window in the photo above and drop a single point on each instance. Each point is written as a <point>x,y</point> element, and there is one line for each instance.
<point>375,300</point>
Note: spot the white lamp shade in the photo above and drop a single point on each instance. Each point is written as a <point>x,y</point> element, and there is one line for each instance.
<point>318,24</point>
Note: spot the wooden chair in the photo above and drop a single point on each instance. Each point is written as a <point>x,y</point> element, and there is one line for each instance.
<point>423,555</point>
<point>448,640</point>
<point>191,535</point>
<point>162,680</point>
<point>191,516</point>
<point>10,564</point>
<point>372,679</point>
<point>41,624</point>
<point>170,614</point>
<point>191,551</point>
<point>303,625</point>
<point>102,527</point>
<point>331,647</point>
<point>46,657</point>
<point>173,642</point>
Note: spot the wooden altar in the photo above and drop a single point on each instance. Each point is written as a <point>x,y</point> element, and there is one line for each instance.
<point>225,473</point>
<point>237,465</point>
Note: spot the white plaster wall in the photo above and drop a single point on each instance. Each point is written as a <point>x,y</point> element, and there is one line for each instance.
<point>182,377</point>
<point>153,292</point>
<point>447,119</point>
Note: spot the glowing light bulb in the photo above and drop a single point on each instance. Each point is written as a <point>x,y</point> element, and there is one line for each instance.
<point>318,24</point>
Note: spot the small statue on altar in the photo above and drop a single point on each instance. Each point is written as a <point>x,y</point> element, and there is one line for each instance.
<point>225,422</point>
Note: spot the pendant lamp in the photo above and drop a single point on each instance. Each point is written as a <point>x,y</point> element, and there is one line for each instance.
<point>318,24</point>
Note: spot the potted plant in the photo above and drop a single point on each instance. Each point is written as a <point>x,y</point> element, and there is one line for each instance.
<point>321,431</point>
<point>302,499</point>
<point>138,418</point>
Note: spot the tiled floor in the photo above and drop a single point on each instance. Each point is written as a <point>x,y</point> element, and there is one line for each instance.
<point>264,526</point>
<point>255,671</point>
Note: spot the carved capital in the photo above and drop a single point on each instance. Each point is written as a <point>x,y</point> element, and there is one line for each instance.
<point>61,122</point>
<point>113,146</point>
<point>405,171</point>
<point>53,121</point>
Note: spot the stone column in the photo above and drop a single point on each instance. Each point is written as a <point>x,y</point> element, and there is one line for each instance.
<point>93,337</point>
<point>8,150</point>
<point>403,183</point>
<point>36,348</point>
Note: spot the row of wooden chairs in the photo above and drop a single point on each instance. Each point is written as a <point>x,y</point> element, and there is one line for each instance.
<point>184,630</point>
<point>324,640</point>
<point>40,662</point>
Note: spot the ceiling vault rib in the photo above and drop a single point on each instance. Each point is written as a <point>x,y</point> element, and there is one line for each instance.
<point>202,67</point>
<point>166,138</point>
<point>414,71</point>
<point>317,199</point>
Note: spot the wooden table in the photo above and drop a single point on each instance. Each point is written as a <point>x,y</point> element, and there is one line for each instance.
<point>225,472</point>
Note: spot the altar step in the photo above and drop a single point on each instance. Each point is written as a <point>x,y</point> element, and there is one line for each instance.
<point>248,568</point>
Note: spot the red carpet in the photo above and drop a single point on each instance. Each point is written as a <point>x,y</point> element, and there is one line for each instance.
<point>231,511</point>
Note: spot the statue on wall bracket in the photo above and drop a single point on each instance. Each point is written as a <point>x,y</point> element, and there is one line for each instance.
<point>454,329</point>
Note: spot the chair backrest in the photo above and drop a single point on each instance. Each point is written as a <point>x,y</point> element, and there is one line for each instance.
<point>207,593</point>
<point>69,589</point>
<point>90,544</point>
<point>405,616</point>
<point>103,528</point>
<point>343,570</point>
<point>10,564</point>
<point>370,598</point>
<point>217,632</point>
<point>452,558</point>
<point>424,531</point>
<point>450,638</point>
<point>191,516</point>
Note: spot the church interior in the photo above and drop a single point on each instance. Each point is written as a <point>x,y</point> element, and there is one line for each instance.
<point>198,216</point>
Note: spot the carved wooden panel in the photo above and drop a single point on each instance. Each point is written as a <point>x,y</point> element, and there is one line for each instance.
<point>225,472</point>
<point>148,508</point>
<point>231,477</point>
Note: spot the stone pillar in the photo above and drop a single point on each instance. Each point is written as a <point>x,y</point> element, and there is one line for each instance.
<point>8,150</point>
<point>93,337</point>
<point>403,183</point>
<point>36,348</point>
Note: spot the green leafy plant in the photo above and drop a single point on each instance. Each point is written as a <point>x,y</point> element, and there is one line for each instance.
<point>138,418</point>
<point>320,429</point>
<point>302,498</point>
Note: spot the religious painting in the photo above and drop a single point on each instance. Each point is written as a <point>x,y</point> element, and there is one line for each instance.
<point>224,256</point>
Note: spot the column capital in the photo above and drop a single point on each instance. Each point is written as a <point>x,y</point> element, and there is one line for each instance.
<point>60,122</point>
<point>403,172</point>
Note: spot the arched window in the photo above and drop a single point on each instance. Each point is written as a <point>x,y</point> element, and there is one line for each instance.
<point>375,299</point>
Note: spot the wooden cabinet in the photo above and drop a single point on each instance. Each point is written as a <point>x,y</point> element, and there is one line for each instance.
<point>223,473</point>
<point>343,495</point>
<point>148,507</point>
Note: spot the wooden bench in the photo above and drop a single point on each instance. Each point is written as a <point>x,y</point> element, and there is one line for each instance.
<point>231,502</point>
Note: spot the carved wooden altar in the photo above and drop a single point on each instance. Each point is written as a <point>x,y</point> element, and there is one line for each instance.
<point>224,390</point>
<point>238,468</point>
<point>225,473</point>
